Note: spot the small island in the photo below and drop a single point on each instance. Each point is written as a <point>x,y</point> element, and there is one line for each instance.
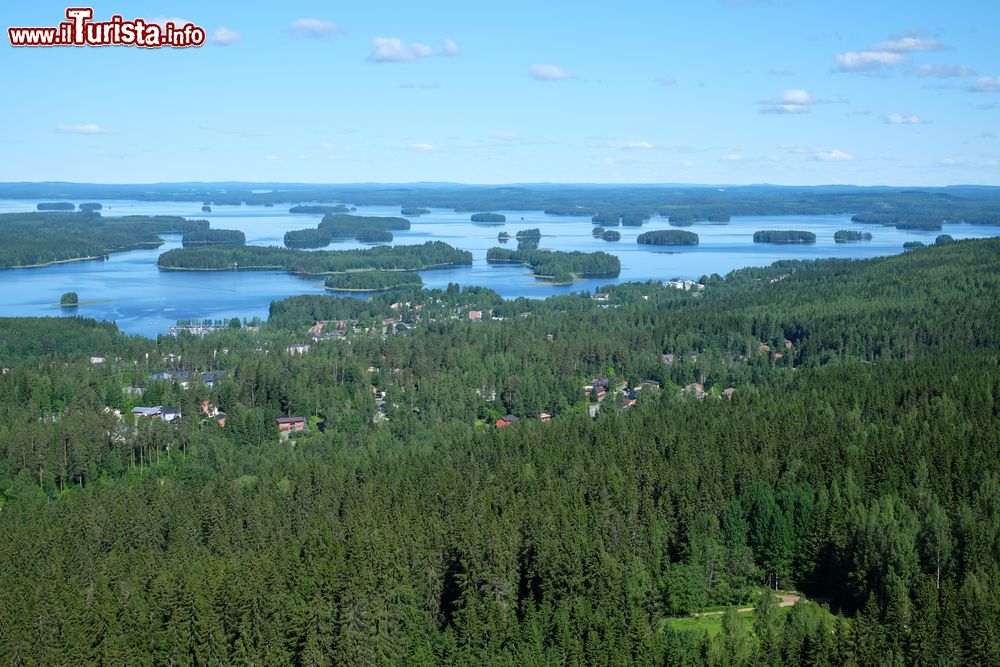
<point>503,237</point>
<point>783,236</point>
<point>633,220</point>
<point>374,235</point>
<point>845,235</point>
<point>913,245</point>
<point>90,207</point>
<point>69,300</point>
<point>206,209</point>
<point>611,235</point>
<point>943,239</point>
<point>488,217</point>
<point>308,238</point>
<point>608,219</point>
<point>407,210</point>
<point>309,208</point>
<point>57,206</point>
<point>529,234</point>
<point>210,237</point>
<point>559,267</point>
<point>373,281</point>
<point>349,226</point>
<point>597,231</point>
<point>668,237</point>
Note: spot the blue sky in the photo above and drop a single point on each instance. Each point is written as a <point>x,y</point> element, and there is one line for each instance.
<point>718,91</point>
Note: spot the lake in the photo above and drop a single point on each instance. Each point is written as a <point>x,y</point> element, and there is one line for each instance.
<point>129,289</point>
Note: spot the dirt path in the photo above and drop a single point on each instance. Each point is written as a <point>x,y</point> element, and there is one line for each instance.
<point>784,600</point>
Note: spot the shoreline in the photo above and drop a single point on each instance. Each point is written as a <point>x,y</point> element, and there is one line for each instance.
<point>136,246</point>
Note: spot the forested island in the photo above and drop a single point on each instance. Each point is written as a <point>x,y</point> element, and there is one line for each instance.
<point>533,234</point>
<point>373,281</point>
<point>606,219</point>
<point>413,211</point>
<point>845,235</point>
<point>488,217</point>
<point>372,235</point>
<point>366,229</point>
<point>91,206</point>
<point>860,468</point>
<point>783,236</point>
<point>558,266</point>
<point>668,237</point>
<point>69,300</point>
<point>56,206</point>
<point>319,208</point>
<point>913,245</point>
<point>611,235</point>
<point>503,237</point>
<point>36,239</point>
<point>900,220</point>
<point>210,237</point>
<point>430,255</point>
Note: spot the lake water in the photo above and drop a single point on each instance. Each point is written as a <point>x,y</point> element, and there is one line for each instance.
<point>129,289</point>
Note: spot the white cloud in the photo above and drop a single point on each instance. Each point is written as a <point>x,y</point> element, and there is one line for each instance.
<point>318,28</point>
<point>666,80</point>
<point>550,73</point>
<point>393,50</point>
<point>506,136</point>
<point>901,119</point>
<point>833,156</point>
<point>270,156</point>
<point>327,145</point>
<point>944,71</point>
<point>643,145</point>
<point>792,101</point>
<point>224,37</point>
<point>87,128</point>
<point>733,157</point>
<point>423,148</point>
<point>986,84</point>
<point>911,43</point>
<point>865,61</point>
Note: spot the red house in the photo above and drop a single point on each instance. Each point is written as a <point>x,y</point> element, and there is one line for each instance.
<point>506,420</point>
<point>291,424</point>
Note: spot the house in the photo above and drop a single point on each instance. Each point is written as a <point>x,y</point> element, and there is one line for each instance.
<point>475,315</point>
<point>133,391</point>
<point>300,348</point>
<point>788,344</point>
<point>592,410</point>
<point>506,420</point>
<point>728,392</point>
<point>695,390</point>
<point>764,347</point>
<point>166,376</point>
<point>686,285</point>
<point>545,416</point>
<point>209,409</point>
<point>601,296</point>
<point>6,371</point>
<point>210,377</point>
<point>220,418</point>
<point>668,359</point>
<point>164,412</point>
<point>291,424</point>
<point>97,360</point>
<point>647,384</point>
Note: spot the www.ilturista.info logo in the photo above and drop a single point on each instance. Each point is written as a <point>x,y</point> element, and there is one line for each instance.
<point>80,30</point>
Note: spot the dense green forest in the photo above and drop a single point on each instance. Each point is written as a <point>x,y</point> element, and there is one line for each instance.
<point>432,254</point>
<point>210,237</point>
<point>374,236</point>
<point>413,211</point>
<point>845,235</point>
<point>783,236</point>
<point>56,206</point>
<point>311,237</point>
<point>668,237</point>
<point>862,467</point>
<point>611,235</point>
<point>374,281</point>
<point>28,239</point>
<point>558,265</point>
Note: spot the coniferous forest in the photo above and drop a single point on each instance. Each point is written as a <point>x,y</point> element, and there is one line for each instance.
<point>829,430</point>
